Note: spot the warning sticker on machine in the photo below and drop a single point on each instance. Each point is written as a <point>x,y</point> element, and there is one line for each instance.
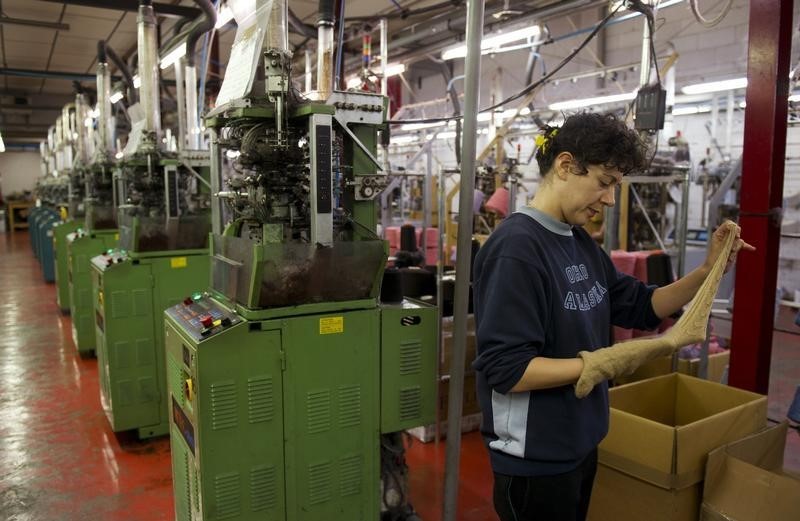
<point>331,325</point>
<point>177,262</point>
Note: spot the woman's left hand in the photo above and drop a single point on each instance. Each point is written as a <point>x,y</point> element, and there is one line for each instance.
<point>718,242</point>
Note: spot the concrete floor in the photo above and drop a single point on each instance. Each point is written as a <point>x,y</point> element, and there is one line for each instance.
<point>59,459</point>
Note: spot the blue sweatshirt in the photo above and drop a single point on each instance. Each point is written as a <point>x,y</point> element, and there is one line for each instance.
<point>544,288</point>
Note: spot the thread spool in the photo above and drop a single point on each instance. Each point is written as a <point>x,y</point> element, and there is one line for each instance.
<point>498,202</point>
<point>408,238</point>
<point>392,286</point>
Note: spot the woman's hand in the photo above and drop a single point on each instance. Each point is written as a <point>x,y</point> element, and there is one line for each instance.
<point>717,242</point>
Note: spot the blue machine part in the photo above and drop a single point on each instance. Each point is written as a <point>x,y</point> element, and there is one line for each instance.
<point>46,250</point>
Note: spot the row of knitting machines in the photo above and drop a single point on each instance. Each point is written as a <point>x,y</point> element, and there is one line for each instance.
<point>231,295</point>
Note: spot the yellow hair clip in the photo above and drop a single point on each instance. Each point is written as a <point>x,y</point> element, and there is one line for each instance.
<point>544,139</point>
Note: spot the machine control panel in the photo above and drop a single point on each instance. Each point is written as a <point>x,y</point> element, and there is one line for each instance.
<point>201,317</point>
<point>109,258</point>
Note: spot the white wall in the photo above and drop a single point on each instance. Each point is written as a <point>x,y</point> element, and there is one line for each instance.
<point>18,171</point>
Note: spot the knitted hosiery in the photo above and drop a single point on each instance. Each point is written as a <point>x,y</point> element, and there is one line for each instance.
<point>625,357</point>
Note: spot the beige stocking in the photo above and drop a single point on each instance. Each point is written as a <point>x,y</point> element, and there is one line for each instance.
<point>625,357</point>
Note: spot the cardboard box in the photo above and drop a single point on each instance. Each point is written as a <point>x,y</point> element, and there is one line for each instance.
<point>447,344</point>
<point>745,480</point>
<point>663,365</point>
<point>652,462</point>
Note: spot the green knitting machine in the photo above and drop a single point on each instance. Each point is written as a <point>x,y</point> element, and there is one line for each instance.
<point>98,235</point>
<point>290,384</point>
<point>164,224</point>
<point>161,258</point>
<point>99,232</point>
<point>73,216</point>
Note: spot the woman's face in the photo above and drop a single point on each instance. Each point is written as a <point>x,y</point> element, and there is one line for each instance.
<point>584,195</point>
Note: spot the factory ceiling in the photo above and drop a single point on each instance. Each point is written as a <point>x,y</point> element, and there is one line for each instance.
<point>47,45</point>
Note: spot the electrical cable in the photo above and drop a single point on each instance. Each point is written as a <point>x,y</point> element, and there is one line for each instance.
<point>709,23</point>
<point>530,87</point>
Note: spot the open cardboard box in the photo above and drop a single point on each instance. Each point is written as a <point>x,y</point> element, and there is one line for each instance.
<point>652,462</point>
<point>745,480</point>
<point>663,365</point>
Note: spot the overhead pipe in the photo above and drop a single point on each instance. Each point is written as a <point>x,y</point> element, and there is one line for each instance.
<point>148,68</point>
<point>104,128</point>
<point>192,114</point>
<point>325,20</point>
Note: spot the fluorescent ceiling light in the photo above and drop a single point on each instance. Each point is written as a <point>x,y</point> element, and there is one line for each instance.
<point>137,81</point>
<point>794,97</point>
<point>174,55</point>
<point>685,111</point>
<point>2,145</point>
<point>224,16</point>
<point>115,97</point>
<point>417,126</point>
<point>715,86</point>
<point>393,69</point>
<point>588,102</point>
<point>492,43</point>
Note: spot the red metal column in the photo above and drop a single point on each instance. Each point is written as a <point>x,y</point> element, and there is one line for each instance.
<point>761,191</point>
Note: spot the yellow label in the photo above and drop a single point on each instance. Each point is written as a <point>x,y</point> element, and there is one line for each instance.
<point>116,236</point>
<point>177,262</point>
<point>331,325</point>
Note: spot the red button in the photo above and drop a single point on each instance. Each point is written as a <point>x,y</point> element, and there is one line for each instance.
<point>187,301</point>
<point>207,321</point>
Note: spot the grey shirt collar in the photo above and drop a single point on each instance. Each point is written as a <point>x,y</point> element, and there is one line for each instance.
<point>547,221</point>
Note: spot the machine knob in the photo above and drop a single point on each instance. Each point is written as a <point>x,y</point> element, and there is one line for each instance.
<point>187,301</point>
<point>207,321</point>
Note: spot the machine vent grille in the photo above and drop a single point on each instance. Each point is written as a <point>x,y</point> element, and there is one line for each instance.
<point>223,405</point>
<point>350,472</point>
<point>195,489</point>
<point>349,406</point>
<point>186,477</point>
<point>260,405</point>
<point>319,482</point>
<point>263,488</point>
<point>176,382</point>
<point>318,409</point>
<point>410,357</point>
<point>226,494</point>
<point>410,403</point>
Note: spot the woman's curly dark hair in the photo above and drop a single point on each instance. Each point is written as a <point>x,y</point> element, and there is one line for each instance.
<point>593,139</point>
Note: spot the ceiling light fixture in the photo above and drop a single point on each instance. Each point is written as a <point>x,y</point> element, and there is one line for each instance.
<point>115,97</point>
<point>686,111</point>
<point>2,145</point>
<point>493,44</point>
<point>137,81</point>
<point>715,86</point>
<point>588,102</point>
